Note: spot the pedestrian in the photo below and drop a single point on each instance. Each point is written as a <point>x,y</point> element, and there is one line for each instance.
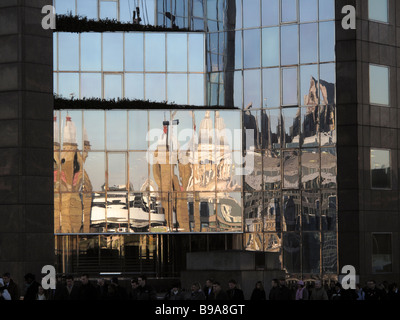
<point>133,292</point>
<point>196,293</point>
<point>371,291</point>
<point>218,293</point>
<point>394,293</point>
<point>175,293</point>
<point>337,294</point>
<point>70,291</point>
<point>318,292</point>
<point>331,291</point>
<point>302,292</point>
<point>4,294</point>
<point>32,287</point>
<point>258,293</point>
<point>284,292</point>
<point>11,286</point>
<point>275,289</point>
<point>360,292</point>
<point>102,289</point>
<point>115,291</point>
<point>145,291</point>
<point>42,294</point>
<point>208,289</point>
<point>60,286</point>
<point>234,293</point>
<point>87,291</point>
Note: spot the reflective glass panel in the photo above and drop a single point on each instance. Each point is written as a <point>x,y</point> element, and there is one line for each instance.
<point>155,87</point>
<point>292,127</point>
<point>271,88</point>
<point>308,43</point>
<point>291,169</point>
<point>379,85</point>
<point>96,169</point>
<point>253,181</point>
<point>272,212</point>
<point>253,215</point>
<point>134,51</point>
<point>272,170</point>
<point>108,10</point>
<point>328,167</point>
<point>91,85</point>
<point>238,89</point>
<point>252,85</point>
<point>238,49</point>
<point>327,83</point>
<point>117,211</point>
<point>196,89</point>
<point>289,10</point>
<point>270,12</point>
<point>229,212</point>
<point>308,10</point>
<point>71,213</point>
<point>139,172</point>
<point>177,88</point>
<point>196,52</point>
<point>140,206</point>
<point>91,51</point>
<point>68,54</point>
<point>125,11</point>
<point>177,52</point>
<point>310,168</point>
<point>291,211</point>
<point>327,124</point>
<point>134,86</point>
<point>309,85</point>
<point>138,123</point>
<point>378,10</point>
<point>252,120</point>
<point>113,52</point>
<point>112,86</point>
<point>55,50</point>
<point>311,252</point>
<point>228,129</point>
<point>328,211</point>
<point>68,85</point>
<point>116,123</point>
<point>117,173</point>
<point>65,6</point>
<point>309,127</point>
<point>380,169</point>
<point>327,41</point>
<point>289,45</point>
<point>271,128</point>
<point>270,47</point>
<point>253,242</point>
<point>310,211</point>
<point>289,90</point>
<point>326,9</point>
<point>251,14</point>
<point>87,8</point>
<point>155,51</point>
<point>71,126</point>
<point>381,252</point>
<point>251,46</point>
<point>291,252</point>
<point>329,252</point>
<point>94,129</point>
<point>181,214</point>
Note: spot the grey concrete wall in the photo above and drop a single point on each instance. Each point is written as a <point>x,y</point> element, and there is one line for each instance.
<point>26,155</point>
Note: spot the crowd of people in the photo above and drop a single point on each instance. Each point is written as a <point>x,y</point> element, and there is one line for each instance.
<point>68,288</point>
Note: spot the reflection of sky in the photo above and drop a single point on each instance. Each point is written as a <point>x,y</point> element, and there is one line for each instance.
<point>380,159</point>
<point>116,130</point>
<point>94,125</point>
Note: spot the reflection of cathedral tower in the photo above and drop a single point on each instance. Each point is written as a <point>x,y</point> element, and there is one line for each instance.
<point>73,181</point>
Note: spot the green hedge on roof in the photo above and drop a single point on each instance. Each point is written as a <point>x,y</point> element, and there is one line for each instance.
<point>78,24</point>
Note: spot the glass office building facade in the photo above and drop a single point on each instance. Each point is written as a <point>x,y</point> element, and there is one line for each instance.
<point>272,62</point>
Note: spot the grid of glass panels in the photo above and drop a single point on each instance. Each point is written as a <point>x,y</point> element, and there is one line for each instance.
<point>275,59</point>
<point>133,65</point>
<point>123,171</point>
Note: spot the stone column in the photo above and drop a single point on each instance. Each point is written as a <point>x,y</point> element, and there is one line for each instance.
<point>26,140</point>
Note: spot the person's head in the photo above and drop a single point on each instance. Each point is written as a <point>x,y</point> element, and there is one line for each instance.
<point>282,282</point>
<point>371,284</point>
<point>134,283</point>
<point>195,287</point>
<point>6,278</point>
<point>259,285</point>
<point>275,283</point>
<point>216,287</point>
<point>100,282</point>
<point>29,278</point>
<point>175,287</point>
<point>85,279</point>
<point>142,280</point>
<point>114,281</point>
<point>40,290</point>
<point>318,284</point>
<point>69,280</point>
<point>300,284</point>
<point>209,283</point>
<point>232,284</point>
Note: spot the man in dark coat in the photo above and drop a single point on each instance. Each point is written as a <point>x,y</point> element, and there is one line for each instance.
<point>70,291</point>
<point>32,287</point>
<point>145,292</point>
<point>234,293</point>
<point>208,289</point>
<point>284,292</point>
<point>275,290</point>
<point>87,291</point>
<point>218,293</point>
<point>11,286</point>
